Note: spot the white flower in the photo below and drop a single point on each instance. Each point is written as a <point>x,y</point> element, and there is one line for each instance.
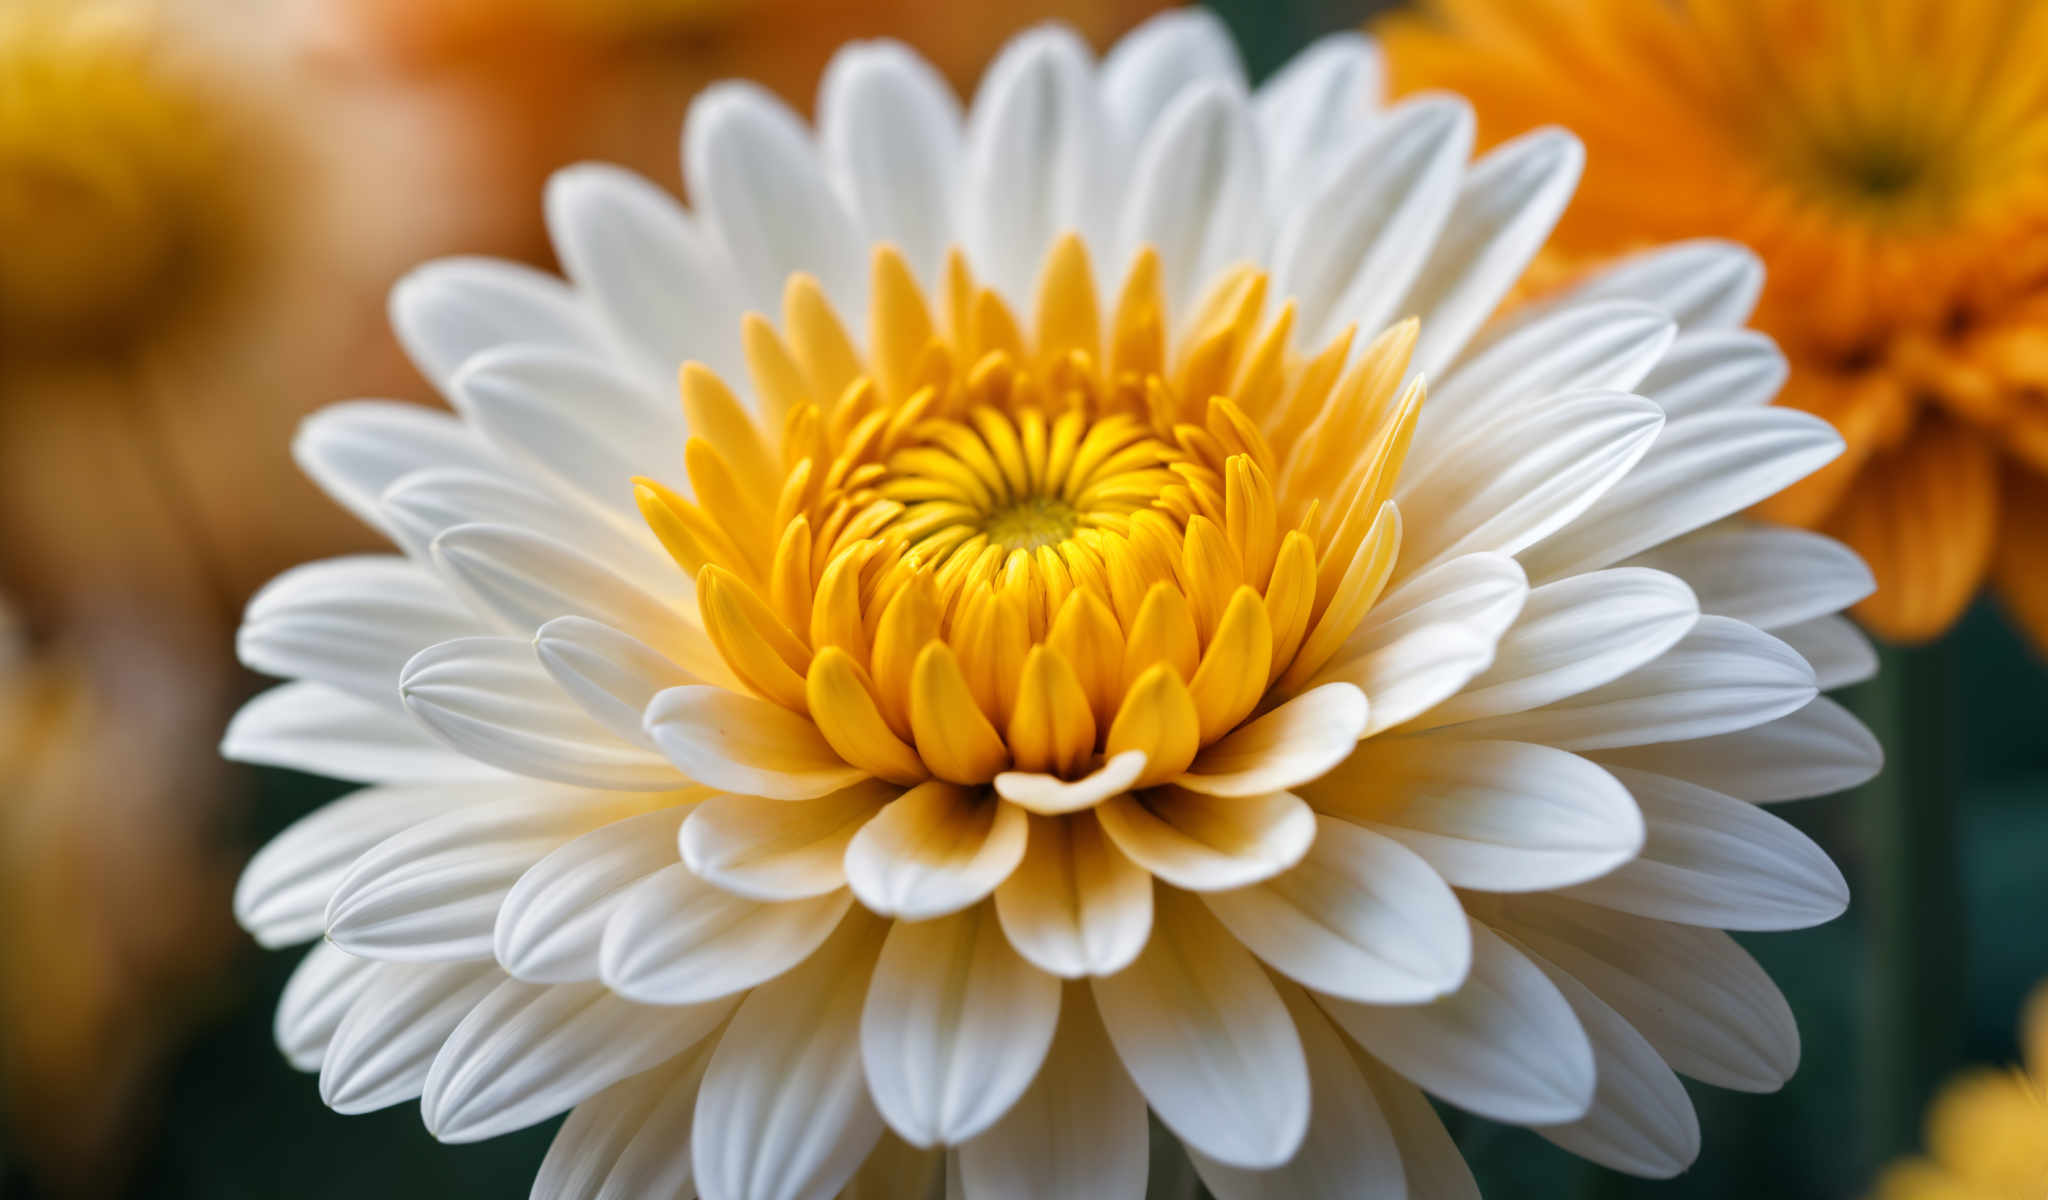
<point>1083,674</point>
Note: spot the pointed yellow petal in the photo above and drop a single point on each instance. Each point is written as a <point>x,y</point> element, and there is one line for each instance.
<point>835,617</point>
<point>717,416</point>
<point>731,505</point>
<point>1158,717</point>
<point>1232,677</point>
<point>789,577</point>
<point>994,326</point>
<point>1210,571</point>
<point>1250,520</point>
<point>842,703</point>
<point>900,326</point>
<point>954,738</point>
<point>1052,728</point>
<point>1162,634</point>
<point>778,381</point>
<point>1359,587</point>
<point>1290,599</point>
<point>908,624</point>
<point>690,537</point>
<point>1138,337</point>
<point>817,339</point>
<point>1086,636</point>
<point>1067,316</point>
<point>766,656</point>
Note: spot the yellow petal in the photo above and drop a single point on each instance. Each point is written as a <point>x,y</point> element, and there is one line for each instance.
<point>717,416</point>
<point>1067,316</point>
<point>789,577</point>
<point>1162,634</point>
<point>1085,635</point>
<point>1250,520</point>
<point>900,325</point>
<point>731,505</point>
<point>1359,587</point>
<point>817,339</point>
<point>1052,728</point>
<point>1290,599</point>
<point>1158,717</point>
<point>765,655</point>
<point>1138,340</point>
<point>843,705</point>
<point>1232,677</point>
<point>953,737</point>
<point>777,379</point>
<point>909,623</point>
<point>1210,571</point>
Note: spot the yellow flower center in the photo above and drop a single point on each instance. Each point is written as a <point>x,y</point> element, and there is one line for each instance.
<point>970,550</point>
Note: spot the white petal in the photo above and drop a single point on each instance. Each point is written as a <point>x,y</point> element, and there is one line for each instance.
<point>755,178</point>
<point>1572,636</point>
<point>954,1028</point>
<point>1353,245</point>
<point>1349,1151</point>
<point>575,422</point>
<point>1716,368</point>
<point>1505,1045</point>
<point>1313,109</point>
<point>1413,673</point>
<point>933,850</point>
<point>283,893</point>
<point>1492,816</point>
<point>528,1051</point>
<point>1699,998</point>
<point>1520,478</point>
<point>383,1047</point>
<point>552,922</point>
<point>1767,575</point>
<point>1360,917</point>
<point>1197,190</point>
<point>784,1113</point>
<point>1819,749</point>
<point>316,998</point>
<point>1483,592</point>
<point>779,849</point>
<point>1703,284</point>
<point>1431,1162</point>
<point>1075,906</point>
<point>1209,843</point>
<point>1079,1130</point>
<point>613,675</point>
<point>1158,62</point>
<point>447,311</point>
<point>1722,676</point>
<point>431,892</point>
<point>1294,743</point>
<point>631,1140</point>
<point>1642,1122</point>
<point>350,623</point>
<point>1050,795</point>
<point>490,699</point>
<point>1209,1041</point>
<point>1038,159</point>
<point>1713,860</point>
<point>675,939</point>
<point>1702,468</point>
<point>1838,652</point>
<point>422,505</point>
<point>1510,200</point>
<point>890,129</point>
<point>660,283</point>
<point>355,450</point>
<point>313,728</point>
<point>740,744</point>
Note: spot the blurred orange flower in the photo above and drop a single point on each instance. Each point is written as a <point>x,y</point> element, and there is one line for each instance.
<point>1987,1133</point>
<point>1889,161</point>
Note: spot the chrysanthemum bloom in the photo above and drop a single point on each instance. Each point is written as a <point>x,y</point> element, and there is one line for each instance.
<point>1987,1133</point>
<point>1069,663</point>
<point>1887,160</point>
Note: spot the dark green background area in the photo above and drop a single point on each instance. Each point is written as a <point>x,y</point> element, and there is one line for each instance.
<point>237,1122</point>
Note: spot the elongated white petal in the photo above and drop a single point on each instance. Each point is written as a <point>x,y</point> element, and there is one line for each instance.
<point>490,699</point>
<point>282,895</point>
<point>1038,159</point>
<point>1703,284</point>
<point>1291,745</point>
<point>1197,191</point>
<point>1349,1150</point>
<point>954,1027</point>
<point>514,396</point>
<point>1819,749</point>
<point>1702,468</point>
<point>1075,905</point>
<point>1641,1122</point>
<point>1722,676</point>
<point>1413,673</point>
<point>552,922</point>
<point>1713,860</point>
<point>784,1113</point>
<point>355,450</point>
<point>613,676</point>
<point>1488,815</point>
<point>1313,109</point>
<point>421,505</point>
<point>1361,917</point>
<point>1839,653</point>
<point>1050,795</point>
<point>1505,210</point>
<point>450,310</point>
<point>1766,575</point>
<point>1716,368</point>
<point>740,744</point>
<point>383,1047</point>
<point>1158,62</point>
<point>1572,636</point>
<point>313,728</point>
<point>1516,480</point>
<point>1603,346</point>
<point>661,285</point>
<point>431,893</point>
<point>675,939</point>
<point>1209,843</point>
<point>755,178</point>
<point>529,579</point>
<point>1505,1045</point>
<point>315,1000</point>
<point>1699,998</point>
<point>1430,1161</point>
<point>779,849</point>
<point>350,623</point>
<point>891,133</point>
<point>631,1139</point>
<point>1483,592</point>
<point>528,1051</point>
<point>933,850</point>
<point>1078,1130</point>
<point>1208,1040</point>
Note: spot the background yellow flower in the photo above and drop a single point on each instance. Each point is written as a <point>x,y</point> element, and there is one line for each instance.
<point>1987,1133</point>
